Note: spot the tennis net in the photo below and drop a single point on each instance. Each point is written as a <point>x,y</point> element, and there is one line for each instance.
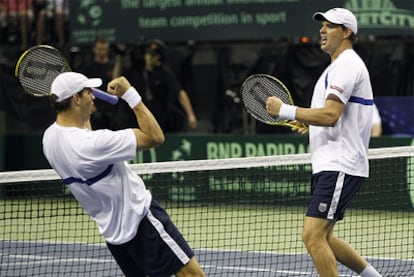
<point>242,216</point>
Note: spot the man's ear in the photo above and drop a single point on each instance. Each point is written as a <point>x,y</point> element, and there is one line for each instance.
<point>76,99</point>
<point>347,33</point>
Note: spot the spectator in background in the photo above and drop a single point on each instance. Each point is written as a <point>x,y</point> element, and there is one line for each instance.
<point>57,10</point>
<point>107,67</point>
<point>18,15</point>
<point>160,89</point>
<point>376,122</point>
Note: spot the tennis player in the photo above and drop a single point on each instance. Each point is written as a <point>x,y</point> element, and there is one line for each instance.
<point>93,164</point>
<point>340,119</point>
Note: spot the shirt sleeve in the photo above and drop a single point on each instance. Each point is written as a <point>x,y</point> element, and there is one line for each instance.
<point>342,79</point>
<point>115,146</point>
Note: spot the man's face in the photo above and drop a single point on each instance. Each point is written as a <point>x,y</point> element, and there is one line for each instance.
<point>331,36</point>
<point>101,51</point>
<point>152,60</point>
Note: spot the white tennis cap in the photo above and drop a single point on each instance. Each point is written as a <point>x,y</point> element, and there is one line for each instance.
<point>68,83</point>
<point>338,16</point>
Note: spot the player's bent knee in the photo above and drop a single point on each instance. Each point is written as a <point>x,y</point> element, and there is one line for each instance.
<point>310,238</point>
<point>307,236</point>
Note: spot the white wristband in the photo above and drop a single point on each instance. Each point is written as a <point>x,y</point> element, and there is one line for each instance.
<point>132,97</point>
<point>287,112</point>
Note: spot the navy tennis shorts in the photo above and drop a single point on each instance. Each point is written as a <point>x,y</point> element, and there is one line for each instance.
<point>158,249</point>
<point>331,194</point>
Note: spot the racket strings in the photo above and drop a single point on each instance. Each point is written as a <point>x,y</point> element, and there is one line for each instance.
<point>255,92</point>
<point>38,68</point>
<point>255,100</point>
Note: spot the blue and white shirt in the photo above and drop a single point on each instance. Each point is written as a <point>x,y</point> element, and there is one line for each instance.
<point>344,147</point>
<point>94,166</point>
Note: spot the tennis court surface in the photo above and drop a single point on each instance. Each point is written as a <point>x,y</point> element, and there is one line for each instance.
<point>242,216</point>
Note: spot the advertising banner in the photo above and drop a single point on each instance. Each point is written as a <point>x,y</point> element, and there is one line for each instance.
<point>220,20</point>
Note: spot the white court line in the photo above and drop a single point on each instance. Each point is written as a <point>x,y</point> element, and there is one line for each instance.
<point>257,269</point>
<point>100,244</point>
<point>292,254</point>
<point>52,260</point>
<point>103,245</point>
<point>38,259</point>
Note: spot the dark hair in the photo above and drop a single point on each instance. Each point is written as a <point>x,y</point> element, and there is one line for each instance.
<point>64,105</point>
<point>352,37</point>
<point>100,39</point>
<point>157,47</point>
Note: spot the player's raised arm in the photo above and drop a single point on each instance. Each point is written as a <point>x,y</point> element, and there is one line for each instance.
<point>149,134</point>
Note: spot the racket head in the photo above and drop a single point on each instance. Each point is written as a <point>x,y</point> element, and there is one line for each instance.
<point>256,89</point>
<point>38,66</point>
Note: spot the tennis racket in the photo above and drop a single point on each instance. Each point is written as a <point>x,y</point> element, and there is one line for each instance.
<point>38,66</point>
<point>256,89</point>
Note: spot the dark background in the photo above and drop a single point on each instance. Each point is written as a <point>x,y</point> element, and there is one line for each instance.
<point>212,68</point>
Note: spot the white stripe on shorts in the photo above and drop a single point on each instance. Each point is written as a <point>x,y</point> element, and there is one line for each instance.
<point>182,256</point>
<point>336,195</point>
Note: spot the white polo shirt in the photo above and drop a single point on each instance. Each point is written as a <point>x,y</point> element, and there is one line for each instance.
<point>113,196</point>
<point>344,147</point>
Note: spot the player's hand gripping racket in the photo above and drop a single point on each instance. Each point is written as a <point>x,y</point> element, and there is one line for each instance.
<point>256,89</point>
<point>38,66</point>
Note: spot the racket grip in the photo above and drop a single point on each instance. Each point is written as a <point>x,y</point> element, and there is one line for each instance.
<point>109,98</point>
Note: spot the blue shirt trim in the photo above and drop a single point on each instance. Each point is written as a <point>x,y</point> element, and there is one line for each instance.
<point>89,181</point>
<point>360,100</point>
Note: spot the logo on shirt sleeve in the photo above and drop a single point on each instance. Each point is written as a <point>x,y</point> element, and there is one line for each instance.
<point>340,90</point>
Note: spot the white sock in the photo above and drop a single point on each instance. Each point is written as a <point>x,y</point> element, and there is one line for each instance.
<point>369,271</point>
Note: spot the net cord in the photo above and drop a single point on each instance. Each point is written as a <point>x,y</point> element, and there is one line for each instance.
<point>196,165</point>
